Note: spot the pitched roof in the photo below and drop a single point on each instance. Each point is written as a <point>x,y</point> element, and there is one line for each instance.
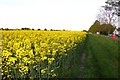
<point>118,29</point>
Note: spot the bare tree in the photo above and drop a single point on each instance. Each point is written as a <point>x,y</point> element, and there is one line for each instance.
<point>107,16</point>
<point>109,13</point>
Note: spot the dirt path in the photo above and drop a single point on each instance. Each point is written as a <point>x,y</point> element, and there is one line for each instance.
<point>82,60</point>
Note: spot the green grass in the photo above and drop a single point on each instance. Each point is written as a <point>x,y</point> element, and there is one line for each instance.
<point>101,57</point>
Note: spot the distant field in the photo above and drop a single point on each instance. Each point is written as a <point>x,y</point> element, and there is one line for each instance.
<point>60,54</point>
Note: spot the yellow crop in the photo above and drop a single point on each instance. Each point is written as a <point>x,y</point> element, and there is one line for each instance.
<point>36,53</point>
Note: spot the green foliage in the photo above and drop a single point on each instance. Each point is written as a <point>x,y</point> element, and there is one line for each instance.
<point>103,28</point>
<point>95,27</point>
<point>106,29</point>
<point>101,57</point>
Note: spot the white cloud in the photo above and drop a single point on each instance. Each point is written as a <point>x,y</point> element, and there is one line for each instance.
<point>55,14</point>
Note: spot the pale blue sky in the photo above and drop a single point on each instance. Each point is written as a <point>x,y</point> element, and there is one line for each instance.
<point>50,14</point>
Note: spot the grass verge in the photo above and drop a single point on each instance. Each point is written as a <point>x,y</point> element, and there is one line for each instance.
<point>101,57</point>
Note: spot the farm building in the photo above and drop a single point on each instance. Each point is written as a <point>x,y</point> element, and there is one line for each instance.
<point>117,31</point>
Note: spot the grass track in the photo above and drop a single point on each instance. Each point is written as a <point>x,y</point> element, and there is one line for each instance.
<point>101,57</point>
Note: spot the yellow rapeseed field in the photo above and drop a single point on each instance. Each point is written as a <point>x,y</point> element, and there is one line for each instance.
<point>36,54</point>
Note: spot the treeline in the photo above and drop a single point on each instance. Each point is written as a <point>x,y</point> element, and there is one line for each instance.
<point>107,18</point>
<point>104,29</point>
<point>32,29</point>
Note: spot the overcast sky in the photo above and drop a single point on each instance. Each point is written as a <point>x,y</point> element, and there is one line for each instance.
<point>50,14</point>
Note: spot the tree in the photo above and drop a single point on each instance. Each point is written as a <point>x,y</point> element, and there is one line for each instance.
<point>6,28</point>
<point>115,5</point>
<point>107,17</point>
<point>109,13</point>
<point>38,29</point>
<point>51,29</point>
<point>45,29</point>
<point>84,30</point>
<point>32,28</point>
<point>1,29</point>
<point>106,29</point>
<point>63,29</point>
<point>25,29</point>
<point>95,27</point>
